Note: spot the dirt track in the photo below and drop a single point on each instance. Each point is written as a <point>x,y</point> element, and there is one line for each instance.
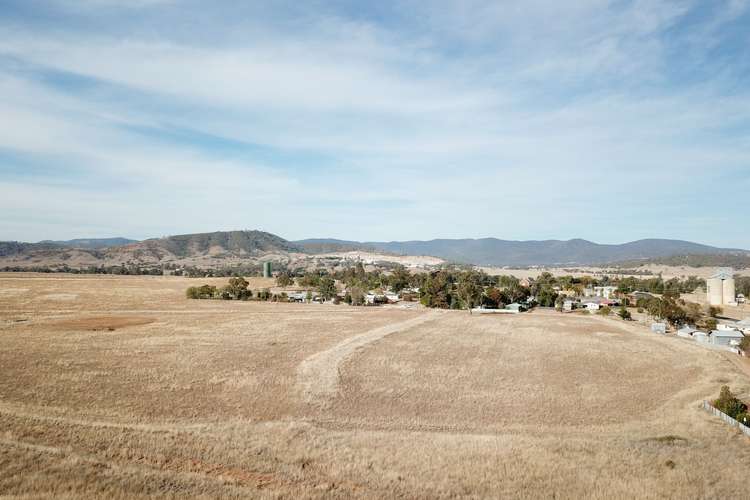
<point>318,375</point>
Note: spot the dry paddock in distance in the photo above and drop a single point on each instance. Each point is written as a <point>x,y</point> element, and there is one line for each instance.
<point>121,387</point>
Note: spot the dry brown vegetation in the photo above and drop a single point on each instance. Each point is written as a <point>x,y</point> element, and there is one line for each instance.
<point>250,399</point>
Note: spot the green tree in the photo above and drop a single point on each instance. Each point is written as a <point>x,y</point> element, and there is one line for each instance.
<point>624,314</point>
<point>729,404</point>
<point>327,288</point>
<point>547,296</point>
<point>237,288</point>
<point>285,279</point>
<point>470,289</point>
<point>436,290</point>
<point>400,279</point>
<point>357,296</point>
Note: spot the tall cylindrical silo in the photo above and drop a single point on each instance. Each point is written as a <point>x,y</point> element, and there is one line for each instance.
<point>715,291</point>
<point>266,269</point>
<point>728,293</point>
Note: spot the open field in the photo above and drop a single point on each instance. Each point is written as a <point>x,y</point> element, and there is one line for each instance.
<point>120,387</point>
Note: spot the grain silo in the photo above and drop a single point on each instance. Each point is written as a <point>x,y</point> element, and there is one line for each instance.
<point>728,291</point>
<point>267,270</point>
<point>721,288</point>
<point>715,291</point>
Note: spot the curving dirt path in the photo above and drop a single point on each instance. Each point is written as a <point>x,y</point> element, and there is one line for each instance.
<point>318,375</point>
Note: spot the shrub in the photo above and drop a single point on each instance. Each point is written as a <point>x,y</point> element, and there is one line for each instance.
<point>714,311</point>
<point>745,344</point>
<point>709,324</point>
<point>604,311</point>
<point>743,418</point>
<point>624,314</point>
<point>729,404</point>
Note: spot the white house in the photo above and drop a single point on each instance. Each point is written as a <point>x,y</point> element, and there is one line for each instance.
<point>591,306</point>
<point>569,305</point>
<point>605,292</point>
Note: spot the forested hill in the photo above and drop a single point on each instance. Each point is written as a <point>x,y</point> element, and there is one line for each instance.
<point>496,252</point>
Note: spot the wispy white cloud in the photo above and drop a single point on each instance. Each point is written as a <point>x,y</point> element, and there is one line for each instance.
<point>530,117</point>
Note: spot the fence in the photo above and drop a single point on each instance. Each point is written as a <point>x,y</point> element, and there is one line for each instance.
<point>726,418</point>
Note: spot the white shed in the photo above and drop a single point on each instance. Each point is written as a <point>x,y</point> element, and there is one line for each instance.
<point>686,332</point>
<point>701,337</point>
<point>659,328</point>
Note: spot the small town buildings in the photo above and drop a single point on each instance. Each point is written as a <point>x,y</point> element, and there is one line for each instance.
<point>516,308</point>
<point>726,337</point>
<point>744,326</point>
<point>569,305</point>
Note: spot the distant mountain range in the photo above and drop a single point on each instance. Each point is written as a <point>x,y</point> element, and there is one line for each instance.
<point>495,252</point>
<point>225,247</point>
<point>91,242</point>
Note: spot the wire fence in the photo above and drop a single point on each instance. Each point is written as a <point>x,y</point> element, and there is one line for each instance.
<point>726,418</point>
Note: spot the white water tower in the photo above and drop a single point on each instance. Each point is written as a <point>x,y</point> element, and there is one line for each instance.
<point>721,290</point>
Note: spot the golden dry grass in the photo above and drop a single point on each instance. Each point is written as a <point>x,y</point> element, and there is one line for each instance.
<point>211,398</point>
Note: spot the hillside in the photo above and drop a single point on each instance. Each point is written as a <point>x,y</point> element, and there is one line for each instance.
<point>736,260</point>
<point>204,249</point>
<point>90,242</point>
<point>222,248</point>
<point>495,252</point>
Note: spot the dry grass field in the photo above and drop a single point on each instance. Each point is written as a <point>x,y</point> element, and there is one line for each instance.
<point>119,387</point>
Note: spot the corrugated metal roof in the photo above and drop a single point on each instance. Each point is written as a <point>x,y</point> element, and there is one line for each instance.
<point>727,333</point>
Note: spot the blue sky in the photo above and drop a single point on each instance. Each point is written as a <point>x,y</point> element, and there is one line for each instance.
<point>534,119</point>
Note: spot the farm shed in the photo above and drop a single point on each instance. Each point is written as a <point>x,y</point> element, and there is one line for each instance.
<point>701,337</point>
<point>686,332</point>
<point>728,338</point>
<point>659,328</point>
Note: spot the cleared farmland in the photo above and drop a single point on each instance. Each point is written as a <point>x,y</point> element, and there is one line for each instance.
<point>120,387</point>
